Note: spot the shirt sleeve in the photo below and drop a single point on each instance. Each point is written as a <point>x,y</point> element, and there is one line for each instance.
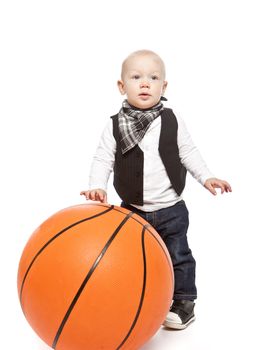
<point>103,160</point>
<point>190,155</point>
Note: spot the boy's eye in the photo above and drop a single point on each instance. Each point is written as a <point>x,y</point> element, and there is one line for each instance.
<point>154,77</point>
<point>136,76</point>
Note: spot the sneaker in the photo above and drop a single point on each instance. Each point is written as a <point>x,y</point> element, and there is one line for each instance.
<point>180,315</point>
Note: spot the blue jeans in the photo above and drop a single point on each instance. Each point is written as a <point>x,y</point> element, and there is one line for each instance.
<point>172,223</point>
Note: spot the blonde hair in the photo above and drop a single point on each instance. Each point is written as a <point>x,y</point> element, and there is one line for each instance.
<point>143,53</point>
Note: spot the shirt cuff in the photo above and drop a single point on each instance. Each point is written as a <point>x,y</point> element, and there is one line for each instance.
<point>95,183</point>
<point>204,178</point>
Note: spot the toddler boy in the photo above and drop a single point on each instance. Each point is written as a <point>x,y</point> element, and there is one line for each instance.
<point>150,150</point>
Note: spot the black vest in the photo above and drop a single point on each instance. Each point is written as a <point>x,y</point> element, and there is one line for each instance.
<point>128,167</point>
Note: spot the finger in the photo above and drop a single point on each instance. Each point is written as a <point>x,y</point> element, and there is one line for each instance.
<point>211,189</point>
<point>225,187</point>
<point>228,188</point>
<point>85,193</point>
<point>219,185</point>
<point>92,195</point>
<point>104,198</point>
<point>101,197</point>
<point>222,188</point>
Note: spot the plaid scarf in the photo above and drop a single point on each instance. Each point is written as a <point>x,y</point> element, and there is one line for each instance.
<point>134,122</point>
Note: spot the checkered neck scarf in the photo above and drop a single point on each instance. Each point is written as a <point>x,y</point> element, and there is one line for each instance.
<point>134,122</point>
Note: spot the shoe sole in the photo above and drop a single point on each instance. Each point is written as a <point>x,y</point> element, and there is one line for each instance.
<point>172,325</point>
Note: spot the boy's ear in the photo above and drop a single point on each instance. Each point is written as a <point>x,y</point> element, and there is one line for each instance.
<point>165,84</point>
<point>121,87</point>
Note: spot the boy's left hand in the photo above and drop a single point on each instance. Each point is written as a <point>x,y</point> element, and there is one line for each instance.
<point>213,183</point>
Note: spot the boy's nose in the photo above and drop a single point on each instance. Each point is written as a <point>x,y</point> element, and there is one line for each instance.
<point>144,84</point>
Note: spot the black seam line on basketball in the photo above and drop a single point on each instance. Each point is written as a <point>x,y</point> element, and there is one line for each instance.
<point>143,289</point>
<point>91,271</point>
<point>148,226</point>
<point>52,239</point>
<point>156,239</point>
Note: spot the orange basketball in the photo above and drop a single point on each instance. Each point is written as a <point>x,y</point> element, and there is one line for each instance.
<point>95,276</point>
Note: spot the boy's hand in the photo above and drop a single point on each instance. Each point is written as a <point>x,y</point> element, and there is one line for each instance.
<point>213,183</point>
<point>95,195</point>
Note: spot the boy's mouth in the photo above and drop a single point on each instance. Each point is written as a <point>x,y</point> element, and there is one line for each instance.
<point>144,95</point>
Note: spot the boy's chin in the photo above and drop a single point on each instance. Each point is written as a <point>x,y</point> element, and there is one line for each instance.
<point>142,104</point>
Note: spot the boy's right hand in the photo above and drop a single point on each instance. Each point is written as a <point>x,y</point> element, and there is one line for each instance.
<point>95,195</point>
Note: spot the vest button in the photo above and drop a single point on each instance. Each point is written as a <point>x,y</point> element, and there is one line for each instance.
<point>137,173</point>
<point>138,194</point>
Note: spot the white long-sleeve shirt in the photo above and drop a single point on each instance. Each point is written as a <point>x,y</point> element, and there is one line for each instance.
<point>158,192</point>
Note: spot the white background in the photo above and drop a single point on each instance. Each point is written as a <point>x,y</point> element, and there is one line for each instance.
<point>60,61</point>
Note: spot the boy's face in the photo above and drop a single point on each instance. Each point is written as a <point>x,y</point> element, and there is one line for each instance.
<point>143,81</point>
